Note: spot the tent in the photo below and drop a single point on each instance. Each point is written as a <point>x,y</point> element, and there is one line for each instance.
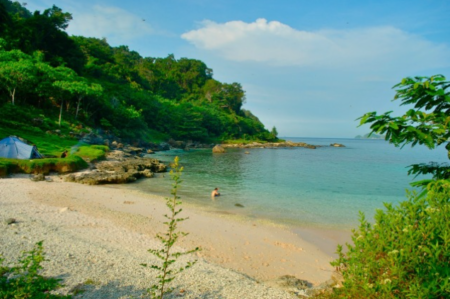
<point>14,148</point>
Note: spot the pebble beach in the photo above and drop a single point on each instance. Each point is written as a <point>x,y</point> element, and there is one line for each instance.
<point>96,237</point>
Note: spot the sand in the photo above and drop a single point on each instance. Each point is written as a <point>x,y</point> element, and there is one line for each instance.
<point>101,234</point>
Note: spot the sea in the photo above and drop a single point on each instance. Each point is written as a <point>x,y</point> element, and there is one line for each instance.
<point>326,187</point>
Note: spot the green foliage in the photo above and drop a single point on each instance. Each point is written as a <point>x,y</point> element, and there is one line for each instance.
<point>426,123</point>
<point>122,92</point>
<point>166,270</point>
<point>405,254</point>
<point>24,281</point>
<point>69,164</point>
<point>92,152</point>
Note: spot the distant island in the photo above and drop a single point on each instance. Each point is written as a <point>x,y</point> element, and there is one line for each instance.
<point>372,136</point>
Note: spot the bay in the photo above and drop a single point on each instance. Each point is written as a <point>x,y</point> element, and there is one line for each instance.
<point>324,187</point>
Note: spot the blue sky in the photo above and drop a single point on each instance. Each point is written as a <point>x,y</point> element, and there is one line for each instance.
<point>310,68</point>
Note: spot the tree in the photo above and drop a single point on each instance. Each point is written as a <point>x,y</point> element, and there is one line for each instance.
<point>16,70</point>
<point>274,132</point>
<point>426,123</point>
<point>64,83</point>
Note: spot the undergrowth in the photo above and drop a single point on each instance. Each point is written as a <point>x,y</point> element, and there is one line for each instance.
<point>405,254</point>
<point>24,280</point>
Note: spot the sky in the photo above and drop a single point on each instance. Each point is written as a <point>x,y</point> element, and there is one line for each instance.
<point>309,68</point>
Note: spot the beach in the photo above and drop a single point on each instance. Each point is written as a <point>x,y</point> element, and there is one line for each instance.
<point>101,234</point>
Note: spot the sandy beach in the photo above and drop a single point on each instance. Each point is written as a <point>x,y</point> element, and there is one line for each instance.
<point>101,234</point>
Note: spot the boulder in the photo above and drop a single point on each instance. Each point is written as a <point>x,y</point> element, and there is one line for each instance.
<point>218,149</point>
<point>118,172</point>
<point>10,221</point>
<point>337,145</point>
<point>37,177</point>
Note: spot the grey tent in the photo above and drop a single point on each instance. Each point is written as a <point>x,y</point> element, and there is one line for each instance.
<point>14,148</point>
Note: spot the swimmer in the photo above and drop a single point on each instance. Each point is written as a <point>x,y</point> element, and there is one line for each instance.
<point>215,193</point>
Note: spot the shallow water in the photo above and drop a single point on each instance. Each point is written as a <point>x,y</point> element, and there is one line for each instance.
<point>324,188</point>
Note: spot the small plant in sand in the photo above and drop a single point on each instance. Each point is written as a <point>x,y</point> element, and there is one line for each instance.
<point>24,280</point>
<point>166,269</point>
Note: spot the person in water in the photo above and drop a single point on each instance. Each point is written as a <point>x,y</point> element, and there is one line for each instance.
<point>215,193</point>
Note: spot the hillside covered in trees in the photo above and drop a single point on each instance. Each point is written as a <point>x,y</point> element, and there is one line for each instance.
<point>76,81</point>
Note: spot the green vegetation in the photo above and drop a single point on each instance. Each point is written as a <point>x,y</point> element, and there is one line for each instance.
<point>24,281</point>
<point>33,125</point>
<point>405,254</point>
<point>79,80</point>
<point>45,166</point>
<point>92,153</point>
<point>166,270</point>
<point>427,123</point>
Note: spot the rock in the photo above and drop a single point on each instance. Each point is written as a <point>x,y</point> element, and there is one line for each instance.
<point>247,153</point>
<point>218,149</point>
<point>118,172</point>
<point>337,145</point>
<point>37,177</point>
<point>291,281</point>
<point>64,210</point>
<point>239,205</point>
<point>133,150</point>
<point>113,144</point>
<point>164,146</point>
<point>92,138</point>
<point>149,151</point>
<point>10,221</point>
<point>147,173</point>
<point>272,145</point>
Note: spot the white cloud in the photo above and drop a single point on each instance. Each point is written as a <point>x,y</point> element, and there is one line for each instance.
<point>110,22</point>
<point>279,44</point>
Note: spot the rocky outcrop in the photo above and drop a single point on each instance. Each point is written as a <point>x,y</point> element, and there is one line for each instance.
<point>118,172</point>
<point>218,149</point>
<point>270,145</point>
<point>337,145</point>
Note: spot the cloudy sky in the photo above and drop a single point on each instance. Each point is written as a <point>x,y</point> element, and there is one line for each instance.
<point>310,68</point>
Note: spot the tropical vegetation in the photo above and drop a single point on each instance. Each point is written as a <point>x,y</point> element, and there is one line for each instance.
<point>85,81</point>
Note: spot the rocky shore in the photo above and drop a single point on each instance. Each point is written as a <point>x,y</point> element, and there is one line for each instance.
<point>271,145</point>
<point>118,170</point>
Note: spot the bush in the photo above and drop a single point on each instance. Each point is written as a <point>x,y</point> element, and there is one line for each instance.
<point>24,280</point>
<point>405,254</point>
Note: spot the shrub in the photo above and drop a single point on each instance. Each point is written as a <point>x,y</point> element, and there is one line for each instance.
<point>24,280</point>
<point>405,254</point>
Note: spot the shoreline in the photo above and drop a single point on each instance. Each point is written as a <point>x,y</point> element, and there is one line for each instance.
<point>251,248</point>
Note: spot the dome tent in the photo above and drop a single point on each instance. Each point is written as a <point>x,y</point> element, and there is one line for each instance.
<point>14,148</point>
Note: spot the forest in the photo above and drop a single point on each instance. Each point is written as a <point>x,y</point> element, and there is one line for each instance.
<point>76,81</point>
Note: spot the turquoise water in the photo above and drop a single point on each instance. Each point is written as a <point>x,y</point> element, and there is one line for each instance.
<point>325,187</point>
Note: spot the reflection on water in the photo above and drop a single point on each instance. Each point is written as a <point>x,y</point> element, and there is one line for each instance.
<point>325,187</point>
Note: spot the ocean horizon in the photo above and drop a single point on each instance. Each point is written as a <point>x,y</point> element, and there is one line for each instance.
<point>324,187</point>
